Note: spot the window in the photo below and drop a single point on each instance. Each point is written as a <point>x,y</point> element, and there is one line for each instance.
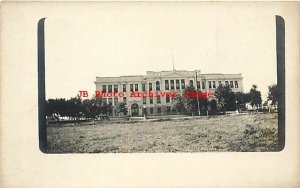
<point>167,85</point>
<point>104,88</point>
<point>226,83</point>
<point>144,87</point>
<point>198,84</point>
<point>191,83</point>
<point>203,85</point>
<point>177,84</point>
<point>182,84</point>
<point>144,100</point>
<point>136,87</point>
<point>124,87</point>
<point>151,110</point>
<point>214,84</point>
<point>131,87</point>
<point>124,99</point>
<point>116,88</point>
<point>116,101</point>
<point>167,99</point>
<point>159,110</point>
<point>158,100</point>
<point>220,83</point>
<point>209,84</point>
<point>110,101</point>
<point>151,100</point>
<point>157,86</point>
<point>231,84</point>
<point>150,86</point>
<point>172,84</point>
<point>236,85</point>
<point>109,88</point>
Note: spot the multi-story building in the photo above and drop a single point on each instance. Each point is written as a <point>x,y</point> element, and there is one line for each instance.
<point>164,81</point>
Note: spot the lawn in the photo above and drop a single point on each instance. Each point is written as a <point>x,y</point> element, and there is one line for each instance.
<point>251,132</point>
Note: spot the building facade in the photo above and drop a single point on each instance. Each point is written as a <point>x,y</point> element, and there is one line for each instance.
<point>164,81</point>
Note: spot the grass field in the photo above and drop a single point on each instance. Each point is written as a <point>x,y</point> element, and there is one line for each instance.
<point>252,132</point>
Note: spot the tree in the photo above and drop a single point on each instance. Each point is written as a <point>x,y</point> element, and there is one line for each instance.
<point>61,106</point>
<point>121,107</point>
<point>213,104</point>
<point>180,105</point>
<point>190,100</point>
<point>242,99</point>
<point>92,108</point>
<point>273,94</point>
<point>226,98</point>
<point>74,107</point>
<point>255,96</point>
<point>50,107</point>
<point>56,107</point>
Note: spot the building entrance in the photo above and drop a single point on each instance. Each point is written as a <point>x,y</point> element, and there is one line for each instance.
<point>134,109</point>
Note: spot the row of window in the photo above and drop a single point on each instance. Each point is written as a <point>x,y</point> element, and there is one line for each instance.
<point>212,84</point>
<point>172,84</point>
<point>159,110</point>
<point>133,87</point>
<point>169,84</point>
<point>158,100</point>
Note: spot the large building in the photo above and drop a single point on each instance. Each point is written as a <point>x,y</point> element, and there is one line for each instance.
<point>164,81</point>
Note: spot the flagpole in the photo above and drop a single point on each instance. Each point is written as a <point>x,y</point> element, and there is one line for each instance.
<point>173,60</point>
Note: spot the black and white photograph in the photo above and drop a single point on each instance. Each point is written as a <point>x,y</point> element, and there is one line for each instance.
<point>161,79</point>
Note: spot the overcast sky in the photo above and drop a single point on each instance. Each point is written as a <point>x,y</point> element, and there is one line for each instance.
<point>130,39</point>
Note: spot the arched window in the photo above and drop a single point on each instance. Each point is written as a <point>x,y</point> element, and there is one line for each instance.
<point>157,86</point>
<point>191,83</point>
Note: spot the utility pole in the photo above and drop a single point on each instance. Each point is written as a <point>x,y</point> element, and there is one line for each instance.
<point>206,95</point>
<point>197,95</point>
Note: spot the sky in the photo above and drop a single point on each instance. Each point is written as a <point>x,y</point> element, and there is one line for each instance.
<point>130,39</point>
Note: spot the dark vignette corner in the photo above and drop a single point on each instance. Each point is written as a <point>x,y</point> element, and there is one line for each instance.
<point>280,52</point>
